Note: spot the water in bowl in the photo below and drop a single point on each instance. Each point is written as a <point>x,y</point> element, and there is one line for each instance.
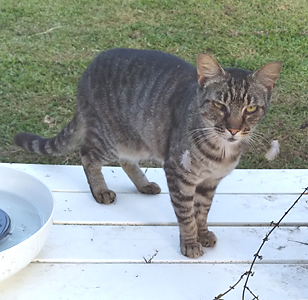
<point>26,219</point>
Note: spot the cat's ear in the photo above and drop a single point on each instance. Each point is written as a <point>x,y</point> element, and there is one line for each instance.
<point>208,68</point>
<point>268,74</point>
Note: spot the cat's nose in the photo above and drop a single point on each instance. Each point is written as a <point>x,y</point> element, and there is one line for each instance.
<point>233,131</point>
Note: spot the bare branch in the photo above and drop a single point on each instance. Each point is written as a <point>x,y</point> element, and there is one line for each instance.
<point>255,297</point>
<point>258,256</point>
<point>231,287</point>
<point>266,239</point>
<point>299,242</point>
<point>148,261</point>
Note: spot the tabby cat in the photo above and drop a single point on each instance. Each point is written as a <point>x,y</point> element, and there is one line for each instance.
<point>138,104</point>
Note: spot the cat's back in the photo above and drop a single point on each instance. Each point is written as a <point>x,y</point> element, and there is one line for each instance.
<point>142,59</point>
<point>123,79</point>
<point>128,68</point>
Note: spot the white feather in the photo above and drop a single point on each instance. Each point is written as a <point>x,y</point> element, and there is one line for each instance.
<point>186,161</point>
<point>273,151</point>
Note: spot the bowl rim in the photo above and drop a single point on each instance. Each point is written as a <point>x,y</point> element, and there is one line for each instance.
<point>52,202</point>
<point>46,226</point>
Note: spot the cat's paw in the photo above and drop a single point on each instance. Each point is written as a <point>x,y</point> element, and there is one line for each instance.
<point>207,239</point>
<point>192,250</point>
<point>151,188</point>
<point>105,197</point>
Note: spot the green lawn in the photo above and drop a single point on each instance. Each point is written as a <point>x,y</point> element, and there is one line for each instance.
<point>46,45</point>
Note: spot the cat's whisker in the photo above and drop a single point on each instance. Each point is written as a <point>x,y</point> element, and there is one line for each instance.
<point>198,132</point>
<point>250,142</point>
<point>203,139</point>
<point>254,141</point>
<point>260,135</point>
<point>259,141</point>
<point>203,129</point>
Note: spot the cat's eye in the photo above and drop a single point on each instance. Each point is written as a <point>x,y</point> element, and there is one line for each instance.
<point>218,105</point>
<point>251,109</point>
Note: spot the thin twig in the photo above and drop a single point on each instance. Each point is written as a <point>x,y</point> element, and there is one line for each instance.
<point>299,242</point>
<point>44,31</point>
<point>257,255</point>
<point>148,261</point>
<point>231,287</point>
<point>255,297</point>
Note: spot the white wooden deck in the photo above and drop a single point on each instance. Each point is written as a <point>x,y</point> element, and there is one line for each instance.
<point>100,251</point>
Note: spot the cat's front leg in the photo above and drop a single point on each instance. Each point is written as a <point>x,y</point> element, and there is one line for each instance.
<point>202,202</point>
<point>182,190</point>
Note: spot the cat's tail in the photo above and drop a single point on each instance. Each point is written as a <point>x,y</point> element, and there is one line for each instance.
<point>66,140</point>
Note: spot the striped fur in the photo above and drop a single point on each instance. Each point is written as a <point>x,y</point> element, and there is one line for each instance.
<point>137,104</point>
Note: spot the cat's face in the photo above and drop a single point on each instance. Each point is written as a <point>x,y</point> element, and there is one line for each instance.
<point>233,107</point>
<point>233,101</point>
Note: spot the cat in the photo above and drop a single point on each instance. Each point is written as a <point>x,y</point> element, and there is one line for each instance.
<point>134,105</point>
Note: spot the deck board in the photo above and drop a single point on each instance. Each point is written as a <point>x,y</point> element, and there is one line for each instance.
<point>152,281</point>
<point>72,179</point>
<point>138,209</point>
<point>134,244</point>
<point>99,251</point>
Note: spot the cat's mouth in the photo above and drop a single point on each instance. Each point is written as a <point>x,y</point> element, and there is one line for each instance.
<point>232,139</point>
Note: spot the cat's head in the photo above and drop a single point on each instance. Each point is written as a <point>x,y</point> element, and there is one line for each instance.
<point>233,101</point>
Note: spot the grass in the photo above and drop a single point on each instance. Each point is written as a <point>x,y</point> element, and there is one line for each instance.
<point>45,46</point>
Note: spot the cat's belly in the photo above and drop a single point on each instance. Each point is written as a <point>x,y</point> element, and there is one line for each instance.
<point>137,153</point>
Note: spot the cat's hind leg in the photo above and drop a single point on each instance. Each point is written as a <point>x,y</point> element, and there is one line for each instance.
<point>138,178</point>
<point>92,163</point>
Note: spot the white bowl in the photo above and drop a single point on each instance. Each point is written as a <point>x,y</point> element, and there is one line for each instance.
<point>29,204</point>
